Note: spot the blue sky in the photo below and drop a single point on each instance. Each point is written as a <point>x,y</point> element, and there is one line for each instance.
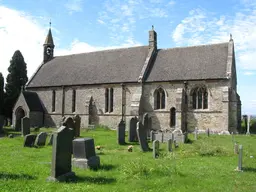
<point>86,25</point>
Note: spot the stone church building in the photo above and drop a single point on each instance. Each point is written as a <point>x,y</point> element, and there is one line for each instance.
<point>179,88</point>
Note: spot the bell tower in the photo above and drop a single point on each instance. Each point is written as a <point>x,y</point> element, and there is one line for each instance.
<point>48,46</point>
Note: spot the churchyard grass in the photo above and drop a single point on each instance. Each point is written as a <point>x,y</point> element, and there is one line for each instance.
<point>207,164</point>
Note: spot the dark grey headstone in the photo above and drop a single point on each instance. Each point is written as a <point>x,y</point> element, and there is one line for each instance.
<point>169,145</point>
<point>25,126</point>
<point>41,139</point>
<point>69,122</point>
<point>142,137</point>
<point>84,154</point>
<point>29,140</point>
<point>77,123</point>
<point>155,149</point>
<point>1,123</point>
<point>132,135</point>
<point>83,148</point>
<point>121,133</point>
<point>61,154</point>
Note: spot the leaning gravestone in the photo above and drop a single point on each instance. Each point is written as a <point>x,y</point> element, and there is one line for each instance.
<point>61,155</point>
<point>25,126</point>
<point>84,155</point>
<point>155,149</point>
<point>121,133</point>
<point>77,123</point>
<point>29,140</point>
<point>142,137</point>
<point>132,135</point>
<point>41,139</point>
<point>1,123</point>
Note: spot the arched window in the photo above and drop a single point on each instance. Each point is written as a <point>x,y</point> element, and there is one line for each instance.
<point>172,117</point>
<point>109,99</point>
<point>159,99</point>
<point>200,98</point>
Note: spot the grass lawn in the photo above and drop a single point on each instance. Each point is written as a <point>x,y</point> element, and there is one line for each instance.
<point>206,164</point>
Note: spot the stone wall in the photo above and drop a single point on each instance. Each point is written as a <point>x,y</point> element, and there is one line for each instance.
<point>139,99</point>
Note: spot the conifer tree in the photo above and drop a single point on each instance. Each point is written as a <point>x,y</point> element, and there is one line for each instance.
<point>15,81</point>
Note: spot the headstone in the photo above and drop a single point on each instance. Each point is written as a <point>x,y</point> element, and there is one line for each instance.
<point>248,125</point>
<point>132,135</point>
<point>84,155</point>
<point>240,158</point>
<point>142,137</point>
<point>29,140</point>
<point>155,149</point>
<point>50,140</point>
<point>41,139</point>
<point>152,135</point>
<point>179,136</point>
<point>1,123</point>
<point>195,133</point>
<point>159,136</point>
<point>235,148</point>
<point>208,132</point>
<point>166,136</point>
<point>121,133</point>
<point>25,126</point>
<point>169,145</point>
<point>61,155</point>
<point>69,123</point>
<point>77,122</point>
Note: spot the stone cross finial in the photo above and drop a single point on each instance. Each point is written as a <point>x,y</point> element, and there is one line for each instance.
<point>230,37</point>
<point>152,27</point>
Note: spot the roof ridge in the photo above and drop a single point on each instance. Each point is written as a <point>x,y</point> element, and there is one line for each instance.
<point>103,50</point>
<point>193,46</point>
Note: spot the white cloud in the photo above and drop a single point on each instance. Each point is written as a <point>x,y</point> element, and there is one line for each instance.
<point>19,31</point>
<point>74,6</point>
<point>101,22</point>
<point>248,73</point>
<point>202,27</point>
<point>172,3</point>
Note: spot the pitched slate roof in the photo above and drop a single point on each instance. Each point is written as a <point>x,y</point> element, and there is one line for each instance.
<point>187,63</point>
<point>33,101</point>
<point>109,66</point>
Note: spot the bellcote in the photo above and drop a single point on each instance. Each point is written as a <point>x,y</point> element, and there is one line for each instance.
<point>153,38</point>
<point>48,46</point>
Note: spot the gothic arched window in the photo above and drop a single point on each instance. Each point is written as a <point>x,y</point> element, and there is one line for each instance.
<point>172,117</point>
<point>159,99</point>
<point>199,98</point>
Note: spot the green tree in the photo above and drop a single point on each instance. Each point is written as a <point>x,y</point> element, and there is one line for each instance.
<point>1,94</point>
<point>16,79</point>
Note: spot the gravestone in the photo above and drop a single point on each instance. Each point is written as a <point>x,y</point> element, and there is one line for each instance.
<point>41,139</point>
<point>50,140</point>
<point>240,158</point>
<point>132,135</point>
<point>208,132</point>
<point>155,149</point>
<point>61,155</point>
<point>195,133</point>
<point>84,155</point>
<point>1,123</point>
<point>178,136</point>
<point>69,123</point>
<point>121,133</point>
<point>25,126</point>
<point>158,136</point>
<point>77,123</point>
<point>169,145</point>
<point>142,137</point>
<point>166,136</point>
<point>235,148</point>
<point>29,140</point>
